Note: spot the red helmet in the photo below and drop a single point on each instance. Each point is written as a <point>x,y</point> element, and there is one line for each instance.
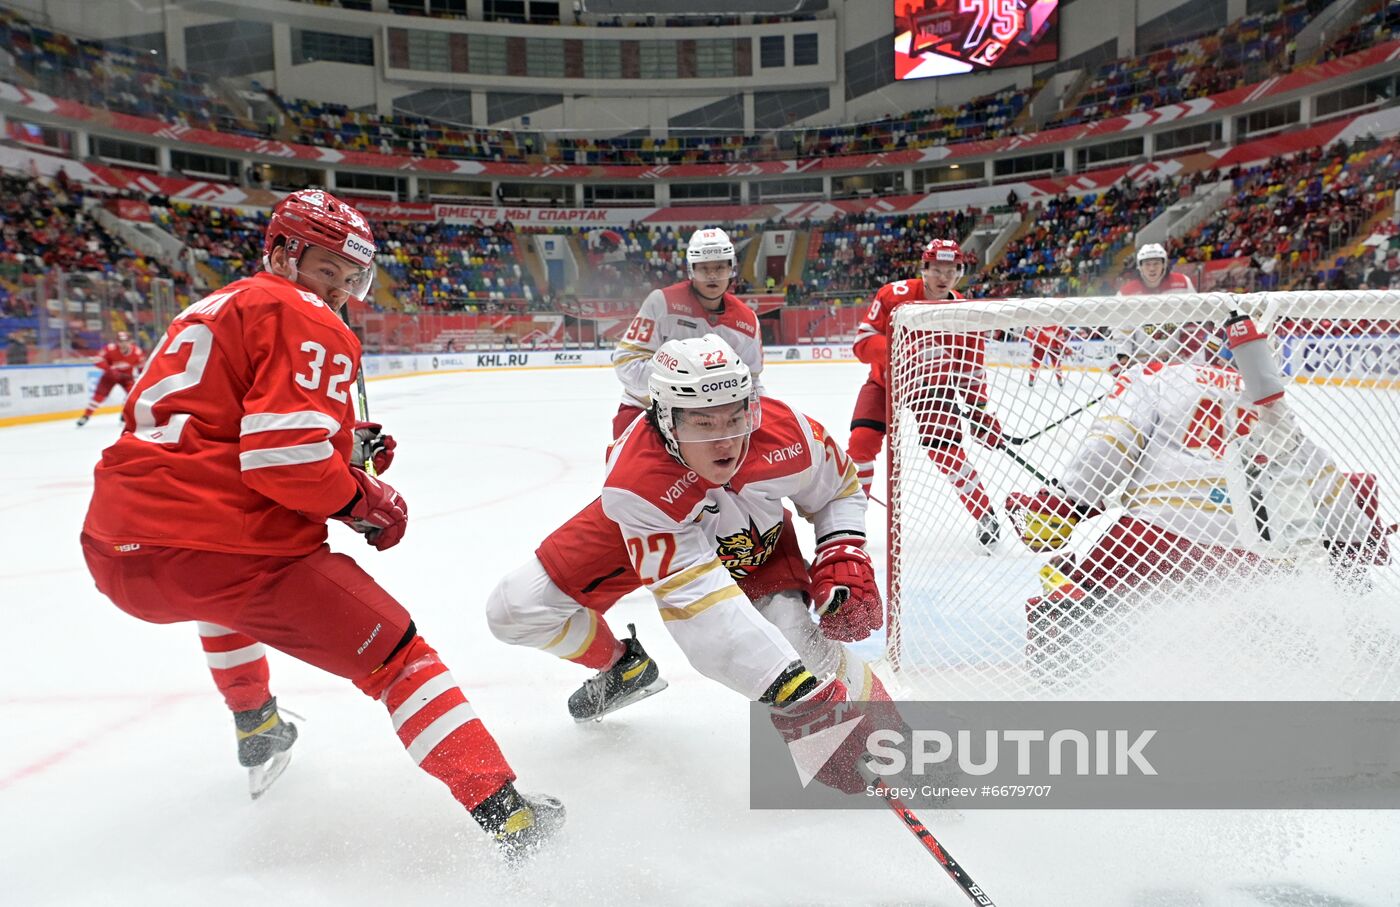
<point>314,217</point>
<point>943,252</point>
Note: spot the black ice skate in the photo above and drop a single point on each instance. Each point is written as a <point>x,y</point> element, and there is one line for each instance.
<point>82,420</point>
<point>988,531</point>
<point>632,679</point>
<point>264,745</point>
<point>519,824</point>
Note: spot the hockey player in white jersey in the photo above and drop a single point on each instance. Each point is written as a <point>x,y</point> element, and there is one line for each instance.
<point>699,305</point>
<point>1215,480</point>
<point>693,507</point>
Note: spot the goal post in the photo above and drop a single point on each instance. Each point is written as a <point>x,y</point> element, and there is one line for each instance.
<point>1178,542</point>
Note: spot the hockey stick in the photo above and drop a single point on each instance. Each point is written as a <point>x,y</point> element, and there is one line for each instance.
<point>368,464</point>
<point>1028,466</point>
<point>951,866</point>
<point>1060,421</point>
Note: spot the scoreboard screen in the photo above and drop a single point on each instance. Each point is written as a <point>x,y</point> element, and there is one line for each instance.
<point>950,37</point>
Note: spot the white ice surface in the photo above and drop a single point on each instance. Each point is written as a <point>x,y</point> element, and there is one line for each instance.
<point>119,785</point>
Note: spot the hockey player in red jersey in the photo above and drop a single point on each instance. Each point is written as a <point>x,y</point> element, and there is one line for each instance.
<point>699,305</point>
<point>1143,343</point>
<point>120,362</point>
<point>1154,274</point>
<point>1215,479</point>
<point>1049,347</point>
<point>954,369</point>
<point>692,509</point>
<point>239,445</point>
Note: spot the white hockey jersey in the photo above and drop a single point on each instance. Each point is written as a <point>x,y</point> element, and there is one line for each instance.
<point>690,539</point>
<point>673,313</point>
<point>1177,448</point>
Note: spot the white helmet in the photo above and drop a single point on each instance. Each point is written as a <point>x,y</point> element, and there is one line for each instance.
<point>696,373</point>
<point>1150,251</point>
<point>709,244</point>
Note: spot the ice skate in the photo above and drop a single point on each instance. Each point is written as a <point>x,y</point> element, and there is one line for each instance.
<point>988,531</point>
<point>82,420</point>
<point>264,745</point>
<point>633,678</point>
<point>519,824</point>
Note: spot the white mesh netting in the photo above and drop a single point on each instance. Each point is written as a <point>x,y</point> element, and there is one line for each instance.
<point>1182,544</point>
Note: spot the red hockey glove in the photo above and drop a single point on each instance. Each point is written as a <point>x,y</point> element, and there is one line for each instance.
<point>985,427</point>
<point>844,592</point>
<point>377,511</point>
<point>1046,519</point>
<point>813,708</point>
<point>372,445</point>
<point>825,707</point>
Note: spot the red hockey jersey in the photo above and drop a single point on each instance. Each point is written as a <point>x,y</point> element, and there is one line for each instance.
<point>1174,282</point>
<point>237,436</point>
<point>964,354</point>
<point>112,359</point>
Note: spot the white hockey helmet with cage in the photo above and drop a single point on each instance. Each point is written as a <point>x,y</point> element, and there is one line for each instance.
<point>1151,251</point>
<point>698,373</point>
<point>710,244</point>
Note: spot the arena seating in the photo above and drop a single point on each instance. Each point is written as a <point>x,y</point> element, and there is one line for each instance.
<point>111,77</point>
<point>1383,24</point>
<point>117,78</point>
<point>1295,213</point>
<point>859,254</point>
<point>1070,243</point>
<point>1248,50</point>
<point>441,266</point>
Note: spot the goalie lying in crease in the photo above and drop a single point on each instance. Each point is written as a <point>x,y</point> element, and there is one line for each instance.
<point>1216,480</point>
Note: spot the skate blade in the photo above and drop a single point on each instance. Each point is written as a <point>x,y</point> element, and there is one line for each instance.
<point>651,689</point>
<point>261,777</point>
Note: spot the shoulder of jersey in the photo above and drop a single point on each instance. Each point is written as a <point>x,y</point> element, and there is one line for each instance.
<point>739,315</point>
<point>889,293</point>
<point>641,466</point>
<point>264,290</point>
<point>782,445</point>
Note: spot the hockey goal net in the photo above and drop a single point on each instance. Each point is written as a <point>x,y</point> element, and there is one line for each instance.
<point>1179,543</point>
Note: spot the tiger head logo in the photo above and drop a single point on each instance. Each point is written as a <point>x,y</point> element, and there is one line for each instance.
<point>745,551</point>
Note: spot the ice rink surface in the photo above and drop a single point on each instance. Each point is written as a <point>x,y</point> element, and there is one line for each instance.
<point>119,782</point>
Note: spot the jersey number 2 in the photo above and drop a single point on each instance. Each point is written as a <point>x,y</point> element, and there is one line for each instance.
<point>662,543</point>
<point>143,407</point>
